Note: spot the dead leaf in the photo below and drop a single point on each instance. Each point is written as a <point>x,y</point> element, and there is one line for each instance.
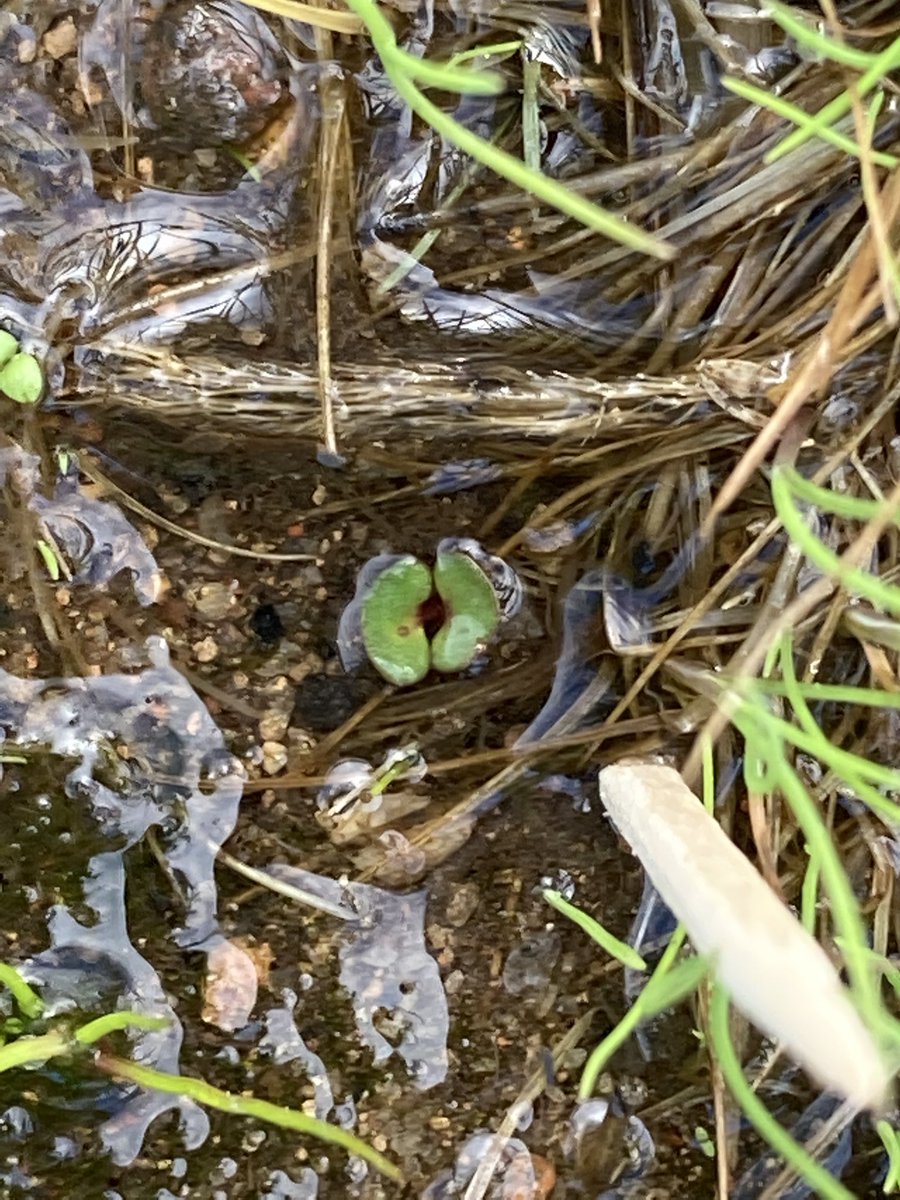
<point>230,989</point>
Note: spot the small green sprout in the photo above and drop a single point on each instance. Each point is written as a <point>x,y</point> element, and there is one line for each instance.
<point>471,608</point>
<point>21,378</point>
<point>392,629</point>
<point>8,347</point>
<point>406,618</point>
<point>51,562</point>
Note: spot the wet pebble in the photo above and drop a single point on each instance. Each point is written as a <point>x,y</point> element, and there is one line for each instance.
<point>212,72</point>
<point>215,601</point>
<point>61,39</point>
<point>274,757</point>
<point>266,624</point>
<point>205,651</point>
<point>462,904</point>
<point>531,963</point>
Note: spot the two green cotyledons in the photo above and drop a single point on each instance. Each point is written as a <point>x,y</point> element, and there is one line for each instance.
<point>393,631</point>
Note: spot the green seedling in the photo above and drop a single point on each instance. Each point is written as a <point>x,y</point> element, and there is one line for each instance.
<point>410,619</point>
<point>392,628</point>
<point>21,378</point>
<point>51,562</point>
<point>8,347</point>
<point>471,611</point>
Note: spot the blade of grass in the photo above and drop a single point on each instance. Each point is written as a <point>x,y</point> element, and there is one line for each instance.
<point>891,1144</point>
<point>809,893</point>
<point>856,508</point>
<point>29,1002</point>
<point>87,1034</point>
<point>498,50</point>
<point>881,66</point>
<point>844,908</point>
<point>245,1106</point>
<point>26,1050</point>
<point>811,39</point>
<point>640,1011</point>
<point>852,579</point>
<point>445,76</point>
<point>834,692</point>
<point>821,1180</point>
<point>790,112</point>
<point>607,941</point>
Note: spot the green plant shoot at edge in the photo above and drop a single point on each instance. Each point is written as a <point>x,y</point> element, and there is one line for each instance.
<point>625,954</point>
<point>27,999</point>
<point>33,1050</point>
<point>8,347</point>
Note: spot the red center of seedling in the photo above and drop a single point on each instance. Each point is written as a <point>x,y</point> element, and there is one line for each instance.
<point>432,615</point>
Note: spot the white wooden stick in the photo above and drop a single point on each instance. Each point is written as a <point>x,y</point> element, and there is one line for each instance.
<point>775,972</point>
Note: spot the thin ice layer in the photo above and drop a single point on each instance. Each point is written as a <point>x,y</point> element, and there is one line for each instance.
<point>387,969</point>
<point>180,778</point>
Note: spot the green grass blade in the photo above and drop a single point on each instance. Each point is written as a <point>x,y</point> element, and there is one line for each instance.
<point>29,1002</point>
<point>87,1034</point>
<point>855,507</point>
<point>891,1145</point>
<point>818,1178</point>
<point>843,762</point>
<point>709,776</point>
<point>809,894</point>
<point>834,692</point>
<point>26,1050</point>
<point>852,579</point>
<point>498,50</point>
<point>790,112</point>
<point>844,908</point>
<point>811,39</point>
<point>246,1106</point>
<point>881,66</point>
<point>51,562</point>
<point>607,941</point>
<point>638,1012</point>
<point>467,81</point>
<point>665,991</point>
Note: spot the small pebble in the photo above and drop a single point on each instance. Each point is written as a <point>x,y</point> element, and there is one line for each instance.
<point>206,650</point>
<point>275,757</point>
<point>61,39</point>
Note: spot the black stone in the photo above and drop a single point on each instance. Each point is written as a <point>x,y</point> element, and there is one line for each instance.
<point>267,624</point>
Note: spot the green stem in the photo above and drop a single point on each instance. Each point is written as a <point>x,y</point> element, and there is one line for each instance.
<point>822,1181</point>
<point>882,65</point>
<point>25,1050</point>
<point>29,1002</point>
<point>638,1012</point>
<point>844,909</point>
<point>245,1106</point>
<point>87,1034</point>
